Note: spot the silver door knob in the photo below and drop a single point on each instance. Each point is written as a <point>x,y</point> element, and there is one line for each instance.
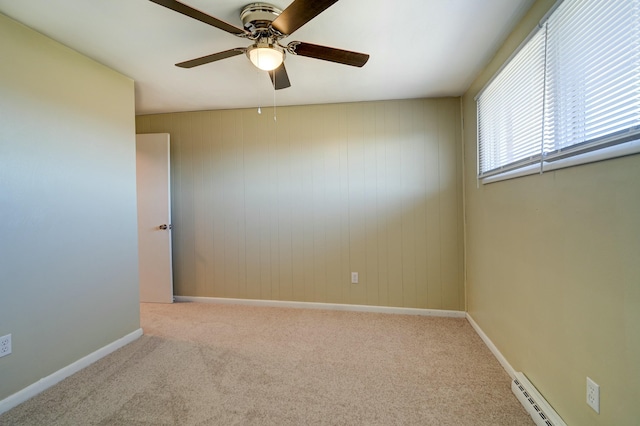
<point>165,226</point>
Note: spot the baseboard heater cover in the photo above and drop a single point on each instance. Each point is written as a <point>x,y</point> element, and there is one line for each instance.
<point>537,407</point>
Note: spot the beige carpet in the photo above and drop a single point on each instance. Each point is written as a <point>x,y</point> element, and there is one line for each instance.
<point>203,364</point>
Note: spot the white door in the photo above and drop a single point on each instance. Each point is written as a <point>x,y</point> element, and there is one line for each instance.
<point>154,218</point>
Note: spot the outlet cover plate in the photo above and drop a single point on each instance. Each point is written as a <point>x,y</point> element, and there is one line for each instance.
<point>593,395</point>
<point>5,345</point>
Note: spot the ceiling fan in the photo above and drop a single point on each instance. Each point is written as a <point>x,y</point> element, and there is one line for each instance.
<point>266,25</point>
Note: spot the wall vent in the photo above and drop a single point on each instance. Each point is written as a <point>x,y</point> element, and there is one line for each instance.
<point>537,407</point>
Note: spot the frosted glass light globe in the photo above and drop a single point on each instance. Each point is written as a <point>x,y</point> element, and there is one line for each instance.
<point>266,58</point>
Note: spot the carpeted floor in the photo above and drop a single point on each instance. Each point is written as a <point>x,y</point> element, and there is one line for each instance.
<point>205,364</point>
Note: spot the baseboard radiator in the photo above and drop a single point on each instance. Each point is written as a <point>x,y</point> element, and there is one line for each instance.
<point>537,407</point>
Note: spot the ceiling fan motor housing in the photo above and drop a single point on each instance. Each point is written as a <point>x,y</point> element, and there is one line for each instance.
<point>257,17</point>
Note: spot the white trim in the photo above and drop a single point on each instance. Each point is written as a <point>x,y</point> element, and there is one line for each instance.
<point>494,350</point>
<point>46,382</point>
<point>539,399</point>
<point>326,306</point>
<point>615,151</point>
<point>601,154</point>
<point>531,169</point>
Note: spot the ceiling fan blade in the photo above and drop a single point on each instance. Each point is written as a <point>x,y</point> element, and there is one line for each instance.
<point>280,78</point>
<point>200,16</point>
<point>328,53</point>
<point>211,58</point>
<point>299,13</point>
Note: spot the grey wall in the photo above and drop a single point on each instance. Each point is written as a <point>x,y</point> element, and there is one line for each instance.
<point>286,210</point>
<point>68,240</point>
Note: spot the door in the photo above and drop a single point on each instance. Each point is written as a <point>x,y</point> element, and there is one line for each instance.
<point>154,218</point>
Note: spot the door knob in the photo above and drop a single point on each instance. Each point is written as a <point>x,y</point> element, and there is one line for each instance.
<point>165,226</point>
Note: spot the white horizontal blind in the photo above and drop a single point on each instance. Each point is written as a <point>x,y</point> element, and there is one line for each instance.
<point>573,87</point>
<point>592,75</point>
<point>510,112</point>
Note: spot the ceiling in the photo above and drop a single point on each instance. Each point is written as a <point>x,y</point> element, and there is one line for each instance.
<point>418,48</point>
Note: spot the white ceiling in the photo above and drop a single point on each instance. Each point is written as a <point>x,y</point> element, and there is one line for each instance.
<point>418,48</point>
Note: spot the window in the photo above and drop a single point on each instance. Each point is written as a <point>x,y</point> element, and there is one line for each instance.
<point>572,88</point>
<point>510,112</point>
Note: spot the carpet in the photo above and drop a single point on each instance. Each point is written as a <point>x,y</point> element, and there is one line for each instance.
<point>207,364</point>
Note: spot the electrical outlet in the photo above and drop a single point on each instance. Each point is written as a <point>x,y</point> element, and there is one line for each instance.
<point>5,345</point>
<point>354,278</point>
<point>593,395</point>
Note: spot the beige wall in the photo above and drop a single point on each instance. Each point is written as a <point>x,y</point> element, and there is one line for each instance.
<point>553,271</point>
<point>68,245</point>
<point>287,210</point>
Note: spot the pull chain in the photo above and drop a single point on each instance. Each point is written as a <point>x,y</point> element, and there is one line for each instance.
<point>274,96</point>
<point>258,87</point>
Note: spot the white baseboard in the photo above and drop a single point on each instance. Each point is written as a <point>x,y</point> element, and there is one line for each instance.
<point>46,382</point>
<point>326,306</point>
<point>544,415</point>
<point>494,350</point>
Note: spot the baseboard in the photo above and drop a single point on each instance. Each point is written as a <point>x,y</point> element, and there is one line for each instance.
<point>545,415</point>
<point>494,350</point>
<point>326,306</point>
<point>46,382</point>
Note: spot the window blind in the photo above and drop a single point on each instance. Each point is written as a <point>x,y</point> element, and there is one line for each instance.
<point>592,76</point>
<point>573,87</point>
<point>510,112</point>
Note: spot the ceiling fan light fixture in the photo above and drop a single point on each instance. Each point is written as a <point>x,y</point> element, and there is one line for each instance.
<point>266,56</point>
<point>266,25</point>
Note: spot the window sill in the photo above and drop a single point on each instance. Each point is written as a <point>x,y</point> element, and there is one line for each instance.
<point>628,148</point>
